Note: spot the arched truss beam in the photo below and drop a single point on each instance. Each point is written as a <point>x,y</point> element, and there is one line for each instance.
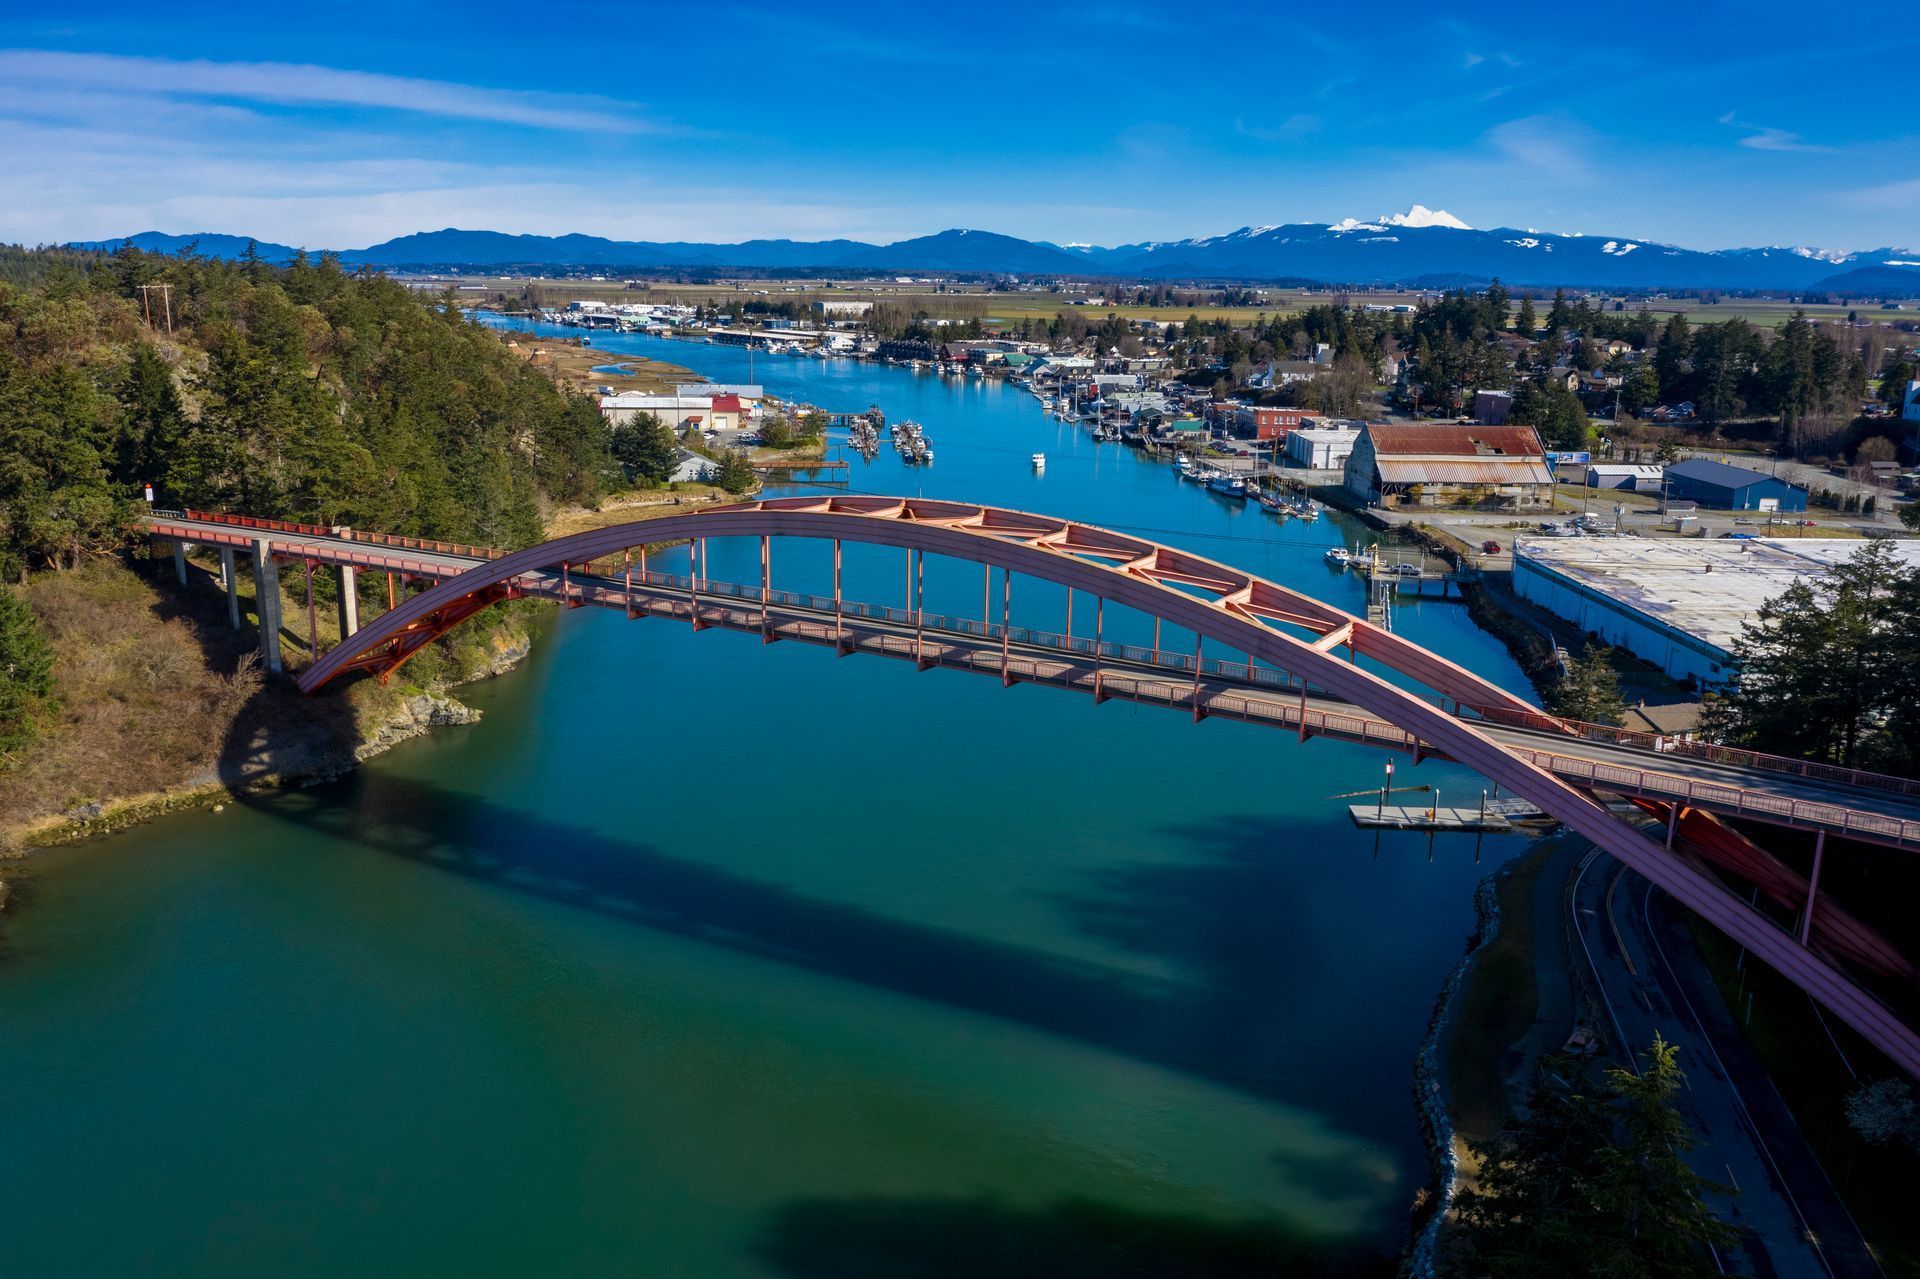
<point>1210,599</point>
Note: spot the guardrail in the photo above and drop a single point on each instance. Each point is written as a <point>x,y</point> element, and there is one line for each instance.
<point>464,549</point>
<point>1677,745</point>
<point>1177,692</point>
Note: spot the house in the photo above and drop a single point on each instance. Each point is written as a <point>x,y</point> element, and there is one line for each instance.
<point>689,467</point>
<point>841,308</point>
<point>1722,487</point>
<point>1624,477</point>
<point>1321,448</point>
<point>1492,407</point>
<point>1439,464</point>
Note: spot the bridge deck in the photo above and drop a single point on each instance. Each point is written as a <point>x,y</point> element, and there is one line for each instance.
<point>1222,690</point>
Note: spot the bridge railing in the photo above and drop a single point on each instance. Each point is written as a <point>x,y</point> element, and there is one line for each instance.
<point>464,549</point>
<point>1685,747</point>
<point>1243,672</point>
<point>1726,798</point>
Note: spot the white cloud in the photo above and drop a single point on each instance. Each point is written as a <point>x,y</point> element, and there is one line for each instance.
<point>1548,146</point>
<point>71,75</point>
<point>1762,138</point>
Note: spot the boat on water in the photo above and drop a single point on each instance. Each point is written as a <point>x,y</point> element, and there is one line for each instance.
<point>1227,485</point>
<point>1339,556</point>
<point>1273,504</point>
<point>1039,461</point>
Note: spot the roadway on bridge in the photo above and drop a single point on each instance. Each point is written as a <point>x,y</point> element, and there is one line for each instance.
<point>1848,809</point>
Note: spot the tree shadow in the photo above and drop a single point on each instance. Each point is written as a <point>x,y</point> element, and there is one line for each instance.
<point>966,1238</point>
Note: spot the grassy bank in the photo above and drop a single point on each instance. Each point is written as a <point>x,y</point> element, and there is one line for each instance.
<point>162,704</point>
<point>1496,1006</point>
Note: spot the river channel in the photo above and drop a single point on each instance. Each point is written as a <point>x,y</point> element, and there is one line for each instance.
<point>699,957</point>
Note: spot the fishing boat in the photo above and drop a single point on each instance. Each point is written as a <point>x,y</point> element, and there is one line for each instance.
<point>1039,461</point>
<point>1339,556</point>
<point>1227,485</point>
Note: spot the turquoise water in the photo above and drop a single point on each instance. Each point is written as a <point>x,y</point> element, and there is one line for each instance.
<point>702,957</point>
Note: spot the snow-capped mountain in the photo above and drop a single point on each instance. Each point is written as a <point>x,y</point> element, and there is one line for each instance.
<point>1422,248</point>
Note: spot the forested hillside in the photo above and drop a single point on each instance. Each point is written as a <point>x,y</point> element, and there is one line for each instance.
<point>301,392</point>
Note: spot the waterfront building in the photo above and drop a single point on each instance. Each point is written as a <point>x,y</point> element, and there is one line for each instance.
<point>677,411</point>
<point>1439,464</point>
<point>1678,604</point>
<point>1321,448</point>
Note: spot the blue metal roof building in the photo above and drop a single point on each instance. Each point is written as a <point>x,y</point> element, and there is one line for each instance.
<point>1730,488</point>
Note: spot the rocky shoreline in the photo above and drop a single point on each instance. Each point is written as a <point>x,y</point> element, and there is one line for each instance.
<point>300,763</point>
<point>1430,1087</point>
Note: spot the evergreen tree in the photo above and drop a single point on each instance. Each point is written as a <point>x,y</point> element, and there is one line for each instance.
<point>1526,324</point>
<point>1590,691</point>
<point>1672,358</point>
<point>645,447</point>
<point>26,672</point>
<point>736,473</point>
<point>1594,1182</point>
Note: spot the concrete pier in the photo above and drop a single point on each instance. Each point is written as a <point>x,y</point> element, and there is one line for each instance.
<point>180,561</point>
<point>1396,817</point>
<point>266,602</point>
<point>230,579</point>
<point>349,601</point>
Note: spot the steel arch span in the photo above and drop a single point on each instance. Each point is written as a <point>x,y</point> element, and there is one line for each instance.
<point>1215,602</point>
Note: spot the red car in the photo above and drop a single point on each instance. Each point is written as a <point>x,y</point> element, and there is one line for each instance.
<point>1490,548</point>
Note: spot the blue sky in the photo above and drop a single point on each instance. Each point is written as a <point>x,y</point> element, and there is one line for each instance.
<point>1707,125</point>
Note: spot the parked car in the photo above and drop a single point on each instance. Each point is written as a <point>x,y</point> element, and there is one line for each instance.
<point>1744,521</point>
<point>1490,548</point>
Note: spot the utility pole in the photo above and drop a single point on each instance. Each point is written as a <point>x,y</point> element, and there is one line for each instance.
<point>166,299</point>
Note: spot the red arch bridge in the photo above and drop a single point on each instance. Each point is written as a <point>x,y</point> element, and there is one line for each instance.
<point>1291,662</point>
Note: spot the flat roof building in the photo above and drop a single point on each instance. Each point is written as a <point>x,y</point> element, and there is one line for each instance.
<point>1678,604</point>
<point>1628,478</point>
<point>1320,448</point>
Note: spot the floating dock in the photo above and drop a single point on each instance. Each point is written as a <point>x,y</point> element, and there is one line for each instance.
<point>1402,817</point>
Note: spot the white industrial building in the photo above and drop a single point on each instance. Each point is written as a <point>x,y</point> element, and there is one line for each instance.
<point>1320,448</point>
<point>677,411</point>
<point>1626,477</point>
<point>1676,604</point>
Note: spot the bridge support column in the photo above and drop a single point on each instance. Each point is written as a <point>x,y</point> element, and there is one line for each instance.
<point>180,561</point>
<point>349,601</point>
<point>919,610</point>
<point>1099,631</point>
<point>230,579</point>
<point>1813,886</point>
<point>1006,632</point>
<point>266,602</point>
<point>1199,648</point>
<point>839,615</point>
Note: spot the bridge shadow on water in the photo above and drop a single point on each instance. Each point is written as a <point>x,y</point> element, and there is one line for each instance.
<point>1214,1023</point>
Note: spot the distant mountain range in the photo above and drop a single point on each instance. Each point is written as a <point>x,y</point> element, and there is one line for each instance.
<point>1421,248</point>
